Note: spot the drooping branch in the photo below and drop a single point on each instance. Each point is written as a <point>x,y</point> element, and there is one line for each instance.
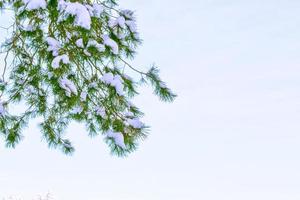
<point>63,61</point>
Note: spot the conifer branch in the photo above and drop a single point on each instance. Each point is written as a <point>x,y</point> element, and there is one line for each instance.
<point>62,62</point>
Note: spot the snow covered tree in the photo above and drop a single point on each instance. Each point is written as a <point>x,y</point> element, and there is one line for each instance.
<point>70,60</point>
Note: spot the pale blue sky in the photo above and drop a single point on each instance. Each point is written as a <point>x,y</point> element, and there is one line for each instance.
<point>233,133</point>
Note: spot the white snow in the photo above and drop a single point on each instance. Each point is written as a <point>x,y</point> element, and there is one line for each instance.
<point>79,43</point>
<point>120,21</point>
<point>90,9</point>
<point>77,110</point>
<point>100,111</point>
<point>135,123</point>
<point>136,35</point>
<point>118,138</point>
<point>56,61</point>
<point>121,35</point>
<point>111,43</point>
<point>35,4</point>
<point>115,81</point>
<point>131,25</point>
<point>118,84</point>
<point>93,85</point>
<point>54,45</point>
<point>68,86</point>
<point>162,85</point>
<point>86,52</point>
<point>69,35</point>
<point>94,43</point>
<point>81,13</point>
<point>107,78</point>
<point>83,96</point>
<point>2,109</point>
<point>29,28</point>
<point>31,90</point>
<point>98,9</point>
<point>50,75</point>
<point>128,114</point>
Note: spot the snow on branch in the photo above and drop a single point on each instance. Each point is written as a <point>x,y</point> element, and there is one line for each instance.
<point>69,61</point>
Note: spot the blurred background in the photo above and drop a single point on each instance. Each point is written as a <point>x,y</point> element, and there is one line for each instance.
<point>233,132</point>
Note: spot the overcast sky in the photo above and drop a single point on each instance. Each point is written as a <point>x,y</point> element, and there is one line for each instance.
<point>233,133</point>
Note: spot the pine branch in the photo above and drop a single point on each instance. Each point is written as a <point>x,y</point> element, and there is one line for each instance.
<point>63,61</point>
